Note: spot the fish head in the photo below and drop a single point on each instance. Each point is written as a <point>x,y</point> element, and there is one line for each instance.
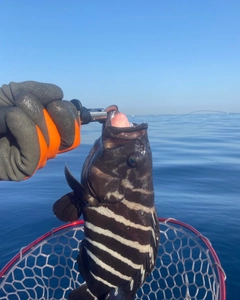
<point>120,161</point>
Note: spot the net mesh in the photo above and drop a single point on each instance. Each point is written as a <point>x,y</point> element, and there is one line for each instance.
<point>187,267</point>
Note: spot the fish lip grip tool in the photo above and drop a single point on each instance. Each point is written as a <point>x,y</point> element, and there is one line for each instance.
<point>88,115</point>
<point>96,114</point>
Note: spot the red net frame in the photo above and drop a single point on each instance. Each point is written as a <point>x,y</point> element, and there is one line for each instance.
<point>178,243</point>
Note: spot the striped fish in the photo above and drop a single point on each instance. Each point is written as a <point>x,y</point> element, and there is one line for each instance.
<point>116,198</point>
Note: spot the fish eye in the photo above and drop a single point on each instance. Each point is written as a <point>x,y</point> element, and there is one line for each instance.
<point>134,159</point>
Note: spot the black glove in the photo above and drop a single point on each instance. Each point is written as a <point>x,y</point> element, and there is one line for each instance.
<point>35,125</point>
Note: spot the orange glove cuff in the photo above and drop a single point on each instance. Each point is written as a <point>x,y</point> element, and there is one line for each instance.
<point>53,134</point>
<point>77,138</point>
<point>43,150</point>
<point>47,152</point>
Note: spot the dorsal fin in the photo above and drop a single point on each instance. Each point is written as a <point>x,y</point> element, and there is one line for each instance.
<point>72,181</point>
<point>78,188</point>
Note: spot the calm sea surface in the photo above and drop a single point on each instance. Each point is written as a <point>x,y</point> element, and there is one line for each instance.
<point>196,168</point>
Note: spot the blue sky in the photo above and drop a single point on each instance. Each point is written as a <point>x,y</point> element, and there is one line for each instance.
<point>145,56</point>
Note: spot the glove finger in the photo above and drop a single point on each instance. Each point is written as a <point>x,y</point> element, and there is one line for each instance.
<point>65,116</point>
<point>45,92</point>
<point>36,112</point>
<point>3,127</point>
<point>26,147</point>
<point>6,98</point>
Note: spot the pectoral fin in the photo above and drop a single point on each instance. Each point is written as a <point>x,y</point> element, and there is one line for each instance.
<point>67,208</point>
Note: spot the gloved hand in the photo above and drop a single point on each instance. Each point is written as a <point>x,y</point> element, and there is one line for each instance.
<point>35,125</point>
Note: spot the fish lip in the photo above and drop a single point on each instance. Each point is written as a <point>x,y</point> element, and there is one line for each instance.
<point>112,110</point>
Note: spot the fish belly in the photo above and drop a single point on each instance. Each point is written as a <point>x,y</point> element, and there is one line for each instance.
<point>119,247</point>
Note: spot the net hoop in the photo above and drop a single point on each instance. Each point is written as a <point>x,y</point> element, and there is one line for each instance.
<point>171,227</point>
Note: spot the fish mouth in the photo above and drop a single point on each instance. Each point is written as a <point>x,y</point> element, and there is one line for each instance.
<point>118,122</point>
<point>112,112</point>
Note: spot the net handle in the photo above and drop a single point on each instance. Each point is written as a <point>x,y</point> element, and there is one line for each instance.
<point>221,273</point>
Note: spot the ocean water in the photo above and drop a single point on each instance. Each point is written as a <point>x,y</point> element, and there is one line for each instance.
<point>196,171</point>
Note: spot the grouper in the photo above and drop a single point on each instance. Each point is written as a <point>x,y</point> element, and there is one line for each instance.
<point>115,197</point>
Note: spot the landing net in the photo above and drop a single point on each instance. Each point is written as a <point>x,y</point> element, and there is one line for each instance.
<point>187,266</point>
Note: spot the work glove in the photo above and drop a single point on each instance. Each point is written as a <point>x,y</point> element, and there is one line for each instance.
<point>35,125</point>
